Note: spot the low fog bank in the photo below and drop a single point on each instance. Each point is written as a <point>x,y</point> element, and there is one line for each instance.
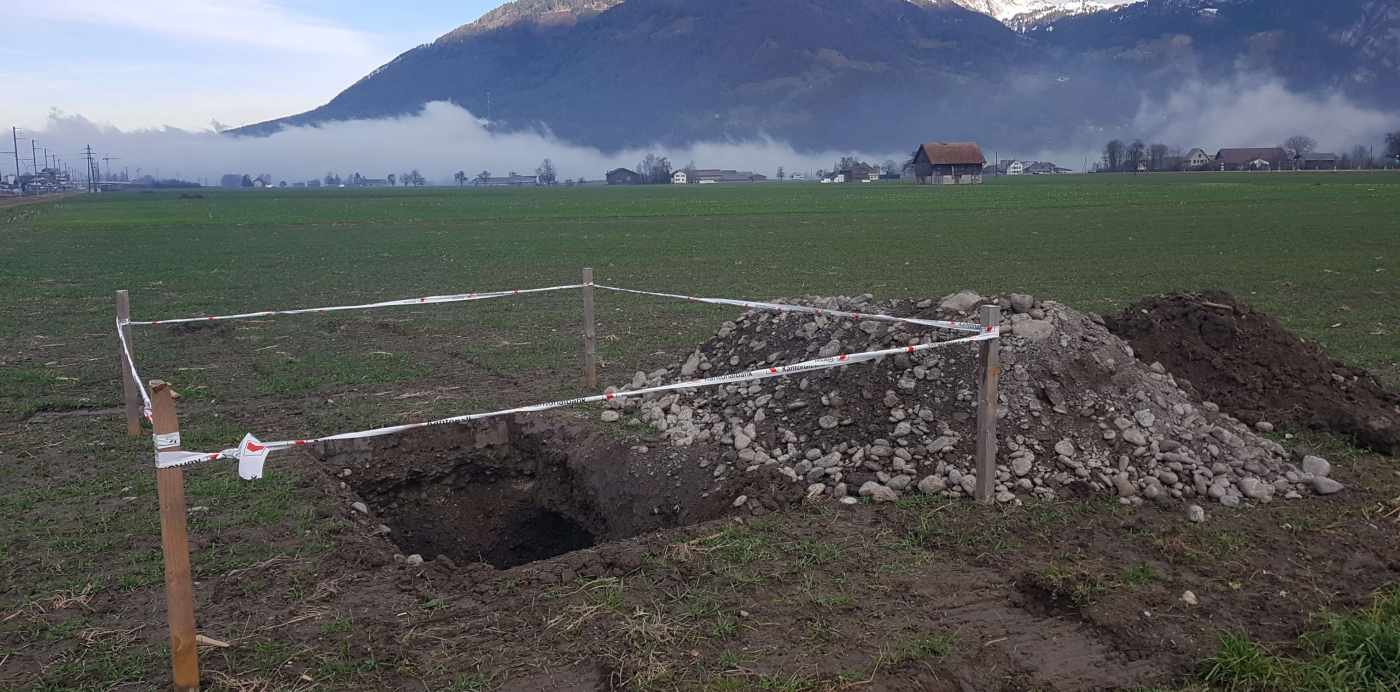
<point>1248,110</point>
<point>438,142</point>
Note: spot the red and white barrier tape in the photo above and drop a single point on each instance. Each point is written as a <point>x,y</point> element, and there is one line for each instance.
<point>251,452</point>
<point>425,300</point>
<point>785,307</point>
<point>136,377</point>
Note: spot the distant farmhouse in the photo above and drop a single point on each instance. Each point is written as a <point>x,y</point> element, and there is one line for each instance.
<point>706,176</point>
<point>1196,160</point>
<point>1031,168</point>
<point>1045,168</point>
<point>507,181</point>
<point>1315,162</point>
<point>1251,159</point>
<point>624,176</point>
<point>860,173</point>
<point>948,163</point>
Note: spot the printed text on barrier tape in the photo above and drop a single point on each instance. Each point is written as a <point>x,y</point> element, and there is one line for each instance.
<point>426,300</point>
<point>764,373</point>
<point>136,377</point>
<point>787,307</point>
<point>250,455</point>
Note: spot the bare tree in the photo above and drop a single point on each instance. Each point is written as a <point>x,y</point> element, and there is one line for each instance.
<point>1113,154</point>
<point>847,163</point>
<point>483,176</point>
<point>459,177</point>
<point>392,179</point>
<point>1361,157</point>
<point>1157,154</point>
<point>655,169</point>
<point>781,173</point>
<point>1137,155</point>
<point>1392,145</point>
<point>1299,145</point>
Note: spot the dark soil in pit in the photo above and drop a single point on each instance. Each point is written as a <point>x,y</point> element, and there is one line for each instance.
<point>1251,366</point>
<point>508,492</point>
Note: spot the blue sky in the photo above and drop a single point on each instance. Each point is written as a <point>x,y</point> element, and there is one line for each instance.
<point>153,63</point>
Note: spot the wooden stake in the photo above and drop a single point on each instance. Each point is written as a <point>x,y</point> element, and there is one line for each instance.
<point>988,372</point>
<point>590,355</point>
<point>129,384</point>
<point>175,543</point>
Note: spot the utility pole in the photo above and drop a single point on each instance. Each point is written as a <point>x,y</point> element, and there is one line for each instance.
<point>91,168</point>
<point>34,154</point>
<point>14,139</point>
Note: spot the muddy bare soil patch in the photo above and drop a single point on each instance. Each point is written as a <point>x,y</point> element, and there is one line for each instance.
<point>509,492</point>
<point>1246,362</point>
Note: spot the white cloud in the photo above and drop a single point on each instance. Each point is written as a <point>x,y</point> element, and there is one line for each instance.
<point>249,23</point>
<point>439,141</point>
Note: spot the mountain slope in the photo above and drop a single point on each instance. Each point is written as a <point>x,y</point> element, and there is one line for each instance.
<point>1347,46</point>
<point>867,74</point>
<point>673,71</point>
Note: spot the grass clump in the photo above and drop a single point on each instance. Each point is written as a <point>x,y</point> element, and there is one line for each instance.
<point>1357,651</point>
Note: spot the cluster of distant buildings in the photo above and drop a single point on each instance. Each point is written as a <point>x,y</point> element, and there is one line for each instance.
<point>1234,159</point>
<point>1248,159</point>
<point>932,163</point>
<point>1260,159</point>
<point>47,180</point>
<point>1030,168</point>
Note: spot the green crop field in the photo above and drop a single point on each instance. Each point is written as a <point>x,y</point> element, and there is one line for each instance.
<point>1319,251</point>
<point>1322,252</point>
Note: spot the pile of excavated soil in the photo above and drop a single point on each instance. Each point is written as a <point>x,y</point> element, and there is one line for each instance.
<point>1079,412</point>
<point>1246,362</point>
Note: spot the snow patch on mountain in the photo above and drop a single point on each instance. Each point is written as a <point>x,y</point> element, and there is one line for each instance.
<point>1019,14</point>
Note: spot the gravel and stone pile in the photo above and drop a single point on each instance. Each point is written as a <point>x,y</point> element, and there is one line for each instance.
<point>1078,411</point>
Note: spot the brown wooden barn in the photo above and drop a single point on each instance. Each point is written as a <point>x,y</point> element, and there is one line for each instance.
<point>948,163</point>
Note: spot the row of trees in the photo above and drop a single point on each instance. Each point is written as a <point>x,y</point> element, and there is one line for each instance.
<point>1120,156</point>
<point>545,174</point>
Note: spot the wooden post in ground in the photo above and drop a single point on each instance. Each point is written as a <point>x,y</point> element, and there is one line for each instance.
<point>130,395</point>
<point>590,355</point>
<point>988,372</point>
<point>175,543</point>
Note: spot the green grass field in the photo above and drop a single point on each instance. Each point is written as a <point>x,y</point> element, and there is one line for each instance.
<point>1321,252</point>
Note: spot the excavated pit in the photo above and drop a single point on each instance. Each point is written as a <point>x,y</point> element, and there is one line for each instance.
<point>512,491</point>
